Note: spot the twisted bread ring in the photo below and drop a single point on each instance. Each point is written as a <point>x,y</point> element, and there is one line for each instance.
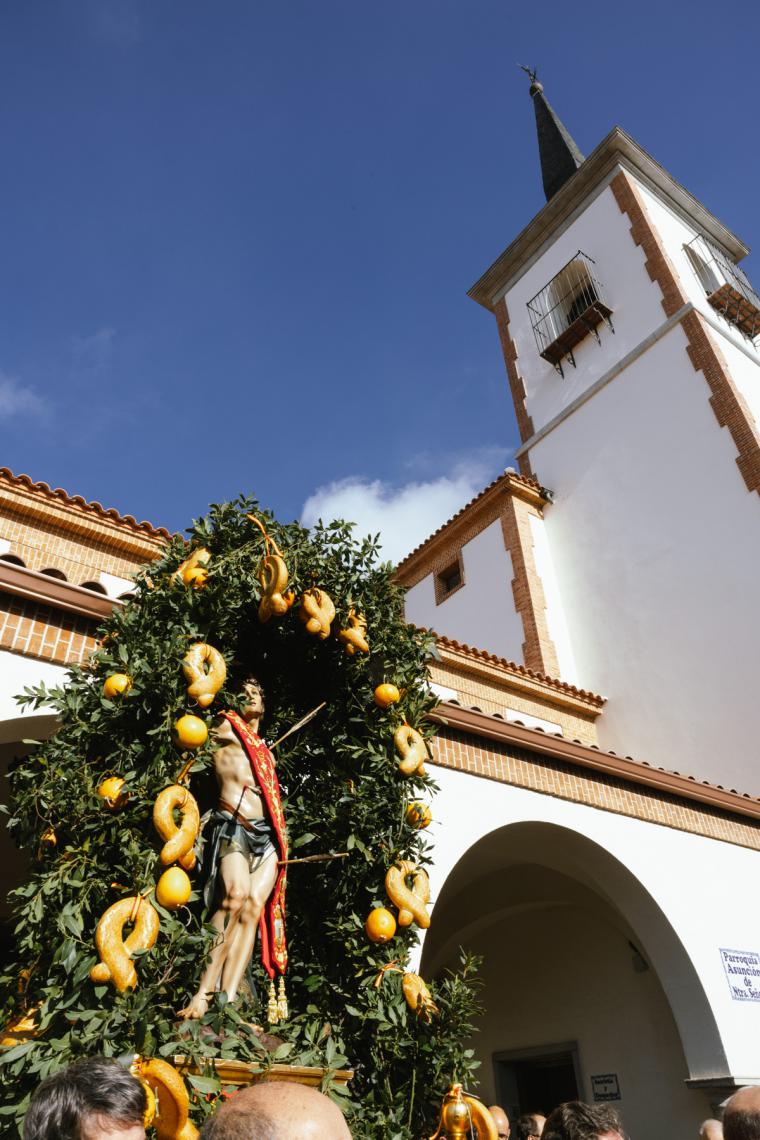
<point>317,612</point>
<point>412,904</point>
<point>418,997</point>
<point>355,636</point>
<point>411,747</point>
<point>173,1104</point>
<point>273,576</point>
<point>115,950</point>
<point>179,840</point>
<point>203,685</point>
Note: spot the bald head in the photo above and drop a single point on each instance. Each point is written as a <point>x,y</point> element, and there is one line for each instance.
<point>277,1110</point>
<point>501,1120</point>
<point>741,1116</point>
<point>711,1130</point>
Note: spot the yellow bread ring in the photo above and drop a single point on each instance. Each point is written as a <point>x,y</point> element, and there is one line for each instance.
<point>200,558</point>
<point>317,612</point>
<point>203,684</point>
<point>179,840</point>
<point>273,576</point>
<point>418,997</point>
<point>411,903</point>
<point>173,1104</point>
<point>355,636</point>
<point>412,750</point>
<point>116,951</point>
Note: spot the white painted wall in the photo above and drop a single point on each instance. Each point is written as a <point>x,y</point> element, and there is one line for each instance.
<point>555,610</point>
<point>697,888</point>
<point>482,613</point>
<point>18,673</point>
<point>114,585</point>
<point>656,540</point>
<point>603,233</point>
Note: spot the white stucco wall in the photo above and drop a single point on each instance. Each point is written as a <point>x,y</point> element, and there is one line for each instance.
<point>18,673</point>
<point>655,541</point>
<point>555,610</point>
<point>482,613</point>
<point>603,233</point>
<point>699,885</point>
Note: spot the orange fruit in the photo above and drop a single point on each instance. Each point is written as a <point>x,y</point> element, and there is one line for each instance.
<point>419,816</point>
<point>111,791</point>
<point>190,731</point>
<point>173,888</point>
<point>386,695</point>
<point>196,577</point>
<point>116,685</point>
<point>380,925</point>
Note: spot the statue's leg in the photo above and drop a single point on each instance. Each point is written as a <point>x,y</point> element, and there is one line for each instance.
<point>236,882</point>
<point>260,886</point>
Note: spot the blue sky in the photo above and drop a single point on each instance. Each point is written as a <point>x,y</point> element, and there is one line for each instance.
<point>237,237</point>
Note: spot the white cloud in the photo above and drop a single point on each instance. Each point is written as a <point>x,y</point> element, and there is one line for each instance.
<point>403,516</point>
<point>18,399</point>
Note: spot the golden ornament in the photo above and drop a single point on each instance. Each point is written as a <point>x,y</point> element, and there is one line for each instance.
<point>173,1104</point>
<point>411,749</point>
<point>418,997</point>
<point>116,685</point>
<point>178,840</point>
<point>354,637</point>
<point>190,731</point>
<point>380,925</point>
<point>419,816</point>
<point>386,695</point>
<point>273,576</point>
<point>411,902</point>
<point>317,612</point>
<point>194,570</point>
<point>205,672</point>
<point>173,889</point>
<point>463,1116</point>
<point>115,950</point>
<point>24,1028</point>
<point>111,792</point>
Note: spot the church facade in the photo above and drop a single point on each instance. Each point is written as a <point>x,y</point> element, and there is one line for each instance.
<point>597,828</point>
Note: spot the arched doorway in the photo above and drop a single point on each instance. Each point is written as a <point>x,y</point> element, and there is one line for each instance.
<point>587,989</point>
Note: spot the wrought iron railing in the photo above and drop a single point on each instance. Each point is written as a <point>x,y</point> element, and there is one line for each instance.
<point>726,285</point>
<point>568,309</point>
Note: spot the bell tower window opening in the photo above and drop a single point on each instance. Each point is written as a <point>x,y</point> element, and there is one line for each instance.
<point>726,286</point>
<point>568,309</point>
<point>449,580</point>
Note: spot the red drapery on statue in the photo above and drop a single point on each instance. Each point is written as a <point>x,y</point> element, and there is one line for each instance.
<point>274,951</point>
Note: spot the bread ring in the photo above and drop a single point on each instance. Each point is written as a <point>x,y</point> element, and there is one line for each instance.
<point>418,997</point>
<point>179,840</point>
<point>355,636</point>
<point>116,951</point>
<point>317,612</point>
<point>171,1119</point>
<point>273,576</point>
<point>197,561</point>
<point>412,750</point>
<point>412,904</point>
<point>203,685</point>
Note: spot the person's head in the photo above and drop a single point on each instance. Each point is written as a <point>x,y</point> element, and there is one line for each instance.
<point>529,1126</point>
<point>711,1130</point>
<point>741,1115</point>
<point>92,1099</point>
<point>501,1120</point>
<point>253,695</point>
<point>277,1110</point>
<point>575,1120</point>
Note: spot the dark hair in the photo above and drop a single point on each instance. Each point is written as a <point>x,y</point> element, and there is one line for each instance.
<point>231,1123</point>
<point>524,1127</point>
<point>739,1124</point>
<point>94,1086</point>
<point>575,1120</point>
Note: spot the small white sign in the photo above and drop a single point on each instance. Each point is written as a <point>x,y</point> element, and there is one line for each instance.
<point>605,1086</point>
<point>742,968</point>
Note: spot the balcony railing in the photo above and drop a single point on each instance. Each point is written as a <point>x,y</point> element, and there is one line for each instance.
<point>726,285</point>
<point>568,309</point>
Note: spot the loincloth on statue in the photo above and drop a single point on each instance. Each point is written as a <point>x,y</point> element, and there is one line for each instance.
<point>223,833</point>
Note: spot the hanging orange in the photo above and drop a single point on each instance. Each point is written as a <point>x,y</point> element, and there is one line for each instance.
<point>419,816</point>
<point>116,685</point>
<point>386,695</point>
<point>111,790</point>
<point>190,731</point>
<point>380,925</point>
<point>173,889</point>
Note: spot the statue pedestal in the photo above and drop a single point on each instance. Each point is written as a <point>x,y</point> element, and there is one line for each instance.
<point>241,1073</point>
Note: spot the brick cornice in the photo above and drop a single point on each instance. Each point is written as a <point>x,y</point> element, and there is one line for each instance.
<point>49,591</point>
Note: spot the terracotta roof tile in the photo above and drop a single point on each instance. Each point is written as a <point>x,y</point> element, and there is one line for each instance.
<point>77,501</point>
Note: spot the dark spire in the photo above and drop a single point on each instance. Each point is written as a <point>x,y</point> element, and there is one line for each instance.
<point>560,157</point>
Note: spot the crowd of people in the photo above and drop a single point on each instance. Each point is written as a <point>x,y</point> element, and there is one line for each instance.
<point>97,1099</point>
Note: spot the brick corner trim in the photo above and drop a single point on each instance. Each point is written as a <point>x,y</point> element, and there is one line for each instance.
<point>728,405</point>
<point>516,382</point>
<point>539,650</point>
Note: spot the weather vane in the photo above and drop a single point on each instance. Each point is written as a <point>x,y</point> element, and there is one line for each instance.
<point>530,72</point>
